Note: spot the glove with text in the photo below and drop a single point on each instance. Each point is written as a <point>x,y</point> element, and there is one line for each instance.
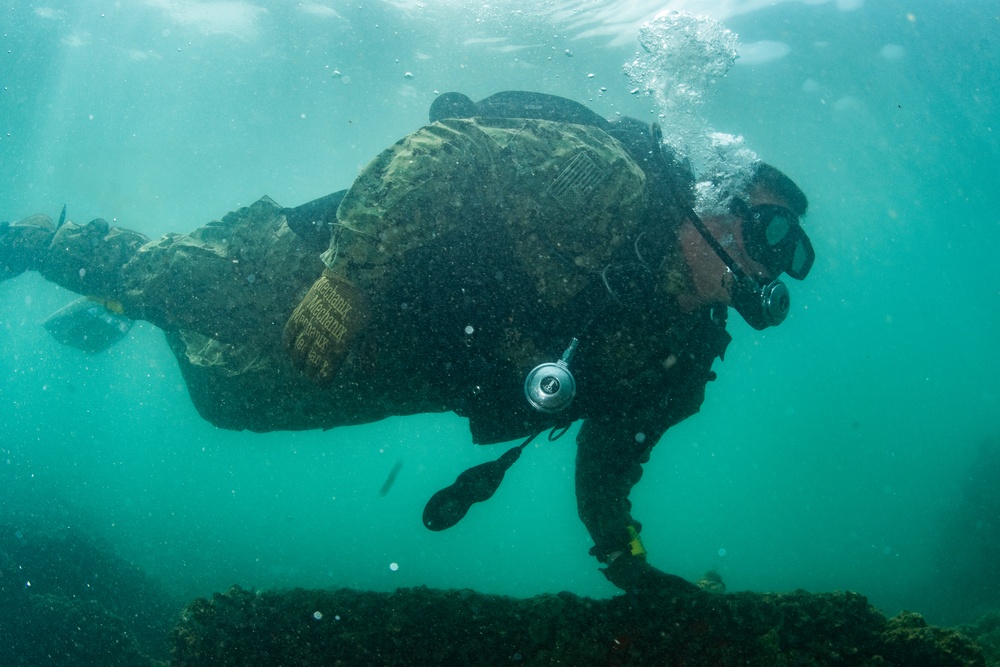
<point>325,325</point>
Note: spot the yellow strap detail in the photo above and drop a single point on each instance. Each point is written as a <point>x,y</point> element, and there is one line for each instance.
<point>112,305</point>
<point>636,549</point>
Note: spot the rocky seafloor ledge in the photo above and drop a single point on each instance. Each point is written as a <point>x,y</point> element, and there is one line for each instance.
<point>422,626</point>
<point>67,599</point>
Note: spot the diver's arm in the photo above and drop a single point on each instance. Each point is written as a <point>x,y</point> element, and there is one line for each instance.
<point>609,463</point>
<point>613,447</point>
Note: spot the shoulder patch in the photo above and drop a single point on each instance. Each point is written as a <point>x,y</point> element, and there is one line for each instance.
<point>576,181</point>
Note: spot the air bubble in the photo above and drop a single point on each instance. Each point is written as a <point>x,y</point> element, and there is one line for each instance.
<point>682,58</point>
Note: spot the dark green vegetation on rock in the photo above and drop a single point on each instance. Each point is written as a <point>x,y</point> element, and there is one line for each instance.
<point>424,626</point>
<point>67,599</point>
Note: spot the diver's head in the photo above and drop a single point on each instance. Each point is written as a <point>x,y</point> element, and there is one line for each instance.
<point>736,253</point>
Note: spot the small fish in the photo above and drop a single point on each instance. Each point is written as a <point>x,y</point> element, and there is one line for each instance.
<point>391,479</point>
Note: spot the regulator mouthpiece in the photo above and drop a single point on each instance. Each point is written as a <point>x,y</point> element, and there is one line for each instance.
<point>762,306</point>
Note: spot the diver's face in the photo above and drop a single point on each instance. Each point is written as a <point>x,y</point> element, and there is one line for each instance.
<point>712,281</point>
<point>738,249</point>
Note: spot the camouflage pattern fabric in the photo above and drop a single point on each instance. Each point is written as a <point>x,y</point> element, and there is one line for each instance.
<point>22,244</point>
<point>567,197</point>
<point>88,259</point>
<point>561,199</point>
<point>227,287</point>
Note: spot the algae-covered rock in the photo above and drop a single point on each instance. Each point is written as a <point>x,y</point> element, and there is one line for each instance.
<point>67,599</point>
<point>986,633</point>
<point>43,629</point>
<point>910,641</point>
<point>419,626</point>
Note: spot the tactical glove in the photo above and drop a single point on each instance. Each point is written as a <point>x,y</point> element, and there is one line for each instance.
<point>325,325</point>
<point>629,571</point>
<point>634,575</point>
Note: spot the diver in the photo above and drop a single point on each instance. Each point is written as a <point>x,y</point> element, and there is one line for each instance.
<point>520,261</point>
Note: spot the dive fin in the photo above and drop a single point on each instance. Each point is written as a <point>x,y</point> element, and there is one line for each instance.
<point>87,325</point>
<point>449,505</point>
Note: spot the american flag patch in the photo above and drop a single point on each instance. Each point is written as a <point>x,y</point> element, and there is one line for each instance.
<point>575,183</point>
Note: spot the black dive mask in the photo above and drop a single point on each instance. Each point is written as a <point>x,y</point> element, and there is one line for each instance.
<point>773,237</point>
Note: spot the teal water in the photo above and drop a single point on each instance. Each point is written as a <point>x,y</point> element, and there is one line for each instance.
<point>839,451</point>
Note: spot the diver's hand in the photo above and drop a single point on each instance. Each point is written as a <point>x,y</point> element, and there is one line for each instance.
<point>633,574</point>
<point>325,325</point>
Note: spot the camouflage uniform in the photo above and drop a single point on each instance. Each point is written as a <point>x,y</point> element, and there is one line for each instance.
<point>563,195</point>
<point>483,246</point>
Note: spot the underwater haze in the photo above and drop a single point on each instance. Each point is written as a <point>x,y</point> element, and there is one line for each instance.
<point>855,447</point>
